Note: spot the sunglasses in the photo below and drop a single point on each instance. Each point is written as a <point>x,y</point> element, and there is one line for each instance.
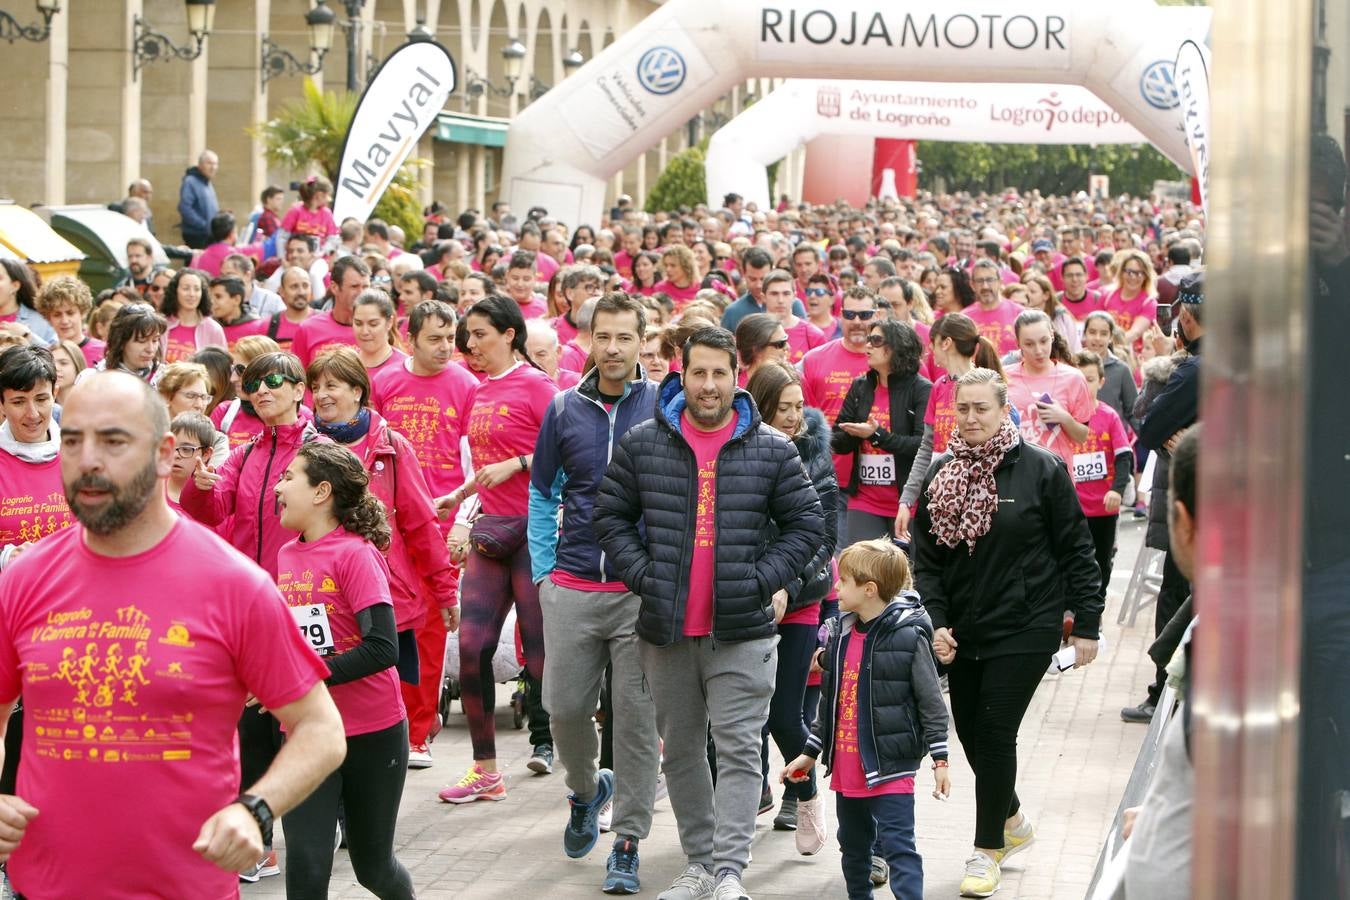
<point>876,340</point>
<point>186,451</point>
<point>817,292</point>
<point>273,380</point>
<point>863,314</point>
<point>781,345</point>
<point>238,368</point>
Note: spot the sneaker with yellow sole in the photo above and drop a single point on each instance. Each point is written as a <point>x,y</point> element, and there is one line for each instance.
<point>1015,840</point>
<point>982,876</point>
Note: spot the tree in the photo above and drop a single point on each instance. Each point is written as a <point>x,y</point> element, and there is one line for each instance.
<point>1052,168</point>
<point>310,131</point>
<point>683,183</point>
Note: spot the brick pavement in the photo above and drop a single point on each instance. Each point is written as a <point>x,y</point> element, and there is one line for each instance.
<point>1075,757</point>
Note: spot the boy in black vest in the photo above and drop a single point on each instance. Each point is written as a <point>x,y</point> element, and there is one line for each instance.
<point>881,712</point>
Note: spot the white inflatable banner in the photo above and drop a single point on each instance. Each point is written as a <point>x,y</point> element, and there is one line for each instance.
<point>1193,90</point>
<point>801,110</point>
<point>562,148</point>
<point>398,106</point>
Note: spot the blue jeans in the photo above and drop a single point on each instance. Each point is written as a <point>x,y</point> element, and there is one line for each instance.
<point>887,819</point>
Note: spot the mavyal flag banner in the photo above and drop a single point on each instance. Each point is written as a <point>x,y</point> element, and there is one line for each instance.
<point>399,105</point>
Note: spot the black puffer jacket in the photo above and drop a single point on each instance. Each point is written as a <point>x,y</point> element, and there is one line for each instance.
<point>813,583</point>
<point>900,712</point>
<point>1037,561</point>
<point>909,402</point>
<point>760,483</point>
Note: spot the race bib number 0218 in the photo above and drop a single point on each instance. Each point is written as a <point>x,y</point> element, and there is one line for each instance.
<point>312,620</point>
<point>876,469</point>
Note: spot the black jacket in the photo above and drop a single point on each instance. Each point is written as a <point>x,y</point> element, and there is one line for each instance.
<point>1036,562</point>
<point>901,715</point>
<point>1178,406</point>
<point>909,402</point>
<point>760,483</point>
<point>813,583</point>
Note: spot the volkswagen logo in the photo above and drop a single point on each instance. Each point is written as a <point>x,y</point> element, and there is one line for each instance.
<point>1158,87</point>
<point>661,70</point>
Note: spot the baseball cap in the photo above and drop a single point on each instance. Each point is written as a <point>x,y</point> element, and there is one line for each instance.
<point>1042,244</point>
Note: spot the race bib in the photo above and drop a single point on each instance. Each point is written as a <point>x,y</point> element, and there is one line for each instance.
<point>312,621</point>
<point>876,469</point>
<point>1089,466</point>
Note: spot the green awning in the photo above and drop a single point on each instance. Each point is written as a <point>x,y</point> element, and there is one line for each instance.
<point>462,128</point>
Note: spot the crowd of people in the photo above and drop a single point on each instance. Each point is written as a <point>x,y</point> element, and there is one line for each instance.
<point>737,475</point>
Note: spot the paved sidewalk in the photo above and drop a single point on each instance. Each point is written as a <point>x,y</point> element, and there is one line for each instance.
<point>1075,757</point>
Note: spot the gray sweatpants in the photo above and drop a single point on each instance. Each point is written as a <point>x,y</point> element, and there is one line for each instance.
<point>729,685</point>
<point>583,632</point>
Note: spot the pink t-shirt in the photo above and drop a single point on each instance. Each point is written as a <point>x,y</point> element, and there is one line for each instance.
<point>1080,309</point>
<point>93,350</point>
<point>242,428</point>
<point>877,494</point>
<point>503,424</point>
<point>827,373</point>
<point>545,266</point>
<point>802,338</point>
<point>317,222</point>
<point>928,368</point>
<point>681,295</point>
<point>131,700</point>
<point>209,260</point>
<point>1066,386</point>
<point>1093,462</point>
<point>344,574</point>
<point>807,615</point>
<point>573,357</point>
<point>846,776</point>
<point>395,360</point>
<point>535,308</point>
<point>182,341</point>
<point>566,378</point>
<point>1126,311</point>
<point>997,324</point>
<point>319,333</point>
<point>286,331</point>
<point>233,333</point>
<point>32,500</point>
<point>572,582</point>
<point>431,411</point>
<point>623,264</point>
<point>565,329</point>
<point>941,413</point>
<point>698,608</point>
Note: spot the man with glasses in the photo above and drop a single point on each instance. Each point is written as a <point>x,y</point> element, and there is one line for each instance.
<point>829,370</point>
<point>991,313</point>
<point>821,298</point>
<point>1076,297</point>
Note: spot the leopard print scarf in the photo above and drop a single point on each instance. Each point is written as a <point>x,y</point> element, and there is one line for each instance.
<point>963,497</point>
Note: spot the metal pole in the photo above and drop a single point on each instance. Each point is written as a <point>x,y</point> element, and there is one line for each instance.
<point>353,24</point>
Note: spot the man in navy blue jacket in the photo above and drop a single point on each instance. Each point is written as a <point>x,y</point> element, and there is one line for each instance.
<point>197,200</point>
<point>590,616</point>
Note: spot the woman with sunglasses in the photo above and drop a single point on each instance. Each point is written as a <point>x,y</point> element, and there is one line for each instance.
<point>881,425</point>
<point>187,308</point>
<point>183,385</point>
<point>417,556</point>
<point>503,424</point>
<point>760,339</point>
<point>1133,301</point>
<point>236,419</point>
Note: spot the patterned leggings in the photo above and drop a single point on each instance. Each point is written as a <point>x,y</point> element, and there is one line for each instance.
<point>487,590</point>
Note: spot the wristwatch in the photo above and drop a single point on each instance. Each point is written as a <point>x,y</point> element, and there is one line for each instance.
<point>261,812</point>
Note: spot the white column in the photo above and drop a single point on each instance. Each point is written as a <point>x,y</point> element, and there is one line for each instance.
<point>662,154</point>
<point>461,178</point>
<point>58,73</point>
<point>640,189</point>
<point>257,176</point>
<point>479,177</point>
<point>130,137</point>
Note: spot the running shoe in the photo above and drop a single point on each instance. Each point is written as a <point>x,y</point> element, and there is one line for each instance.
<point>1141,714</point>
<point>607,817</point>
<point>982,876</point>
<point>661,790</point>
<point>729,887</point>
<point>263,868</point>
<point>765,801</point>
<point>786,820</point>
<point>881,873</point>
<point>419,756</point>
<point>541,761</point>
<point>694,883</point>
<point>811,826</point>
<point>583,823</point>
<point>475,785</point>
<point>1015,840</point>
<point>621,871</point>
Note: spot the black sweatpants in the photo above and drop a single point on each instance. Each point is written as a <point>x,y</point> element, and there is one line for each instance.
<point>1171,594</point>
<point>1103,529</point>
<point>989,698</point>
<point>369,785</point>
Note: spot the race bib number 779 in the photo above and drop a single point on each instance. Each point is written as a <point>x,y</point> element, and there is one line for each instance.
<point>312,620</point>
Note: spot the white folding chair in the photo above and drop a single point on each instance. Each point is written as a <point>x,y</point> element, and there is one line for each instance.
<point>1145,581</point>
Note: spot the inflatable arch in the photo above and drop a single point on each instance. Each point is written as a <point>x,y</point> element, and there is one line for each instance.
<point>680,59</point>
<point>802,109</point>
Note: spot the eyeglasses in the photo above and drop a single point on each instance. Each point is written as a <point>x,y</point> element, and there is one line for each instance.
<point>863,314</point>
<point>1133,273</point>
<point>817,292</point>
<point>195,396</point>
<point>154,287</point>
<point>186,451</point>
<point>781,345</point>
<point>984,281</point>
<point>273,380</point>
<point>876,340</point>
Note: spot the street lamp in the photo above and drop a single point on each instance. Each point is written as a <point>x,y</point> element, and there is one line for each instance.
<point>11,30</point>
<point>573,61</point>
<point>420,33</point>
<point>353,26</point>
<point>276,60</point>
<point>153,46</point>
<point>513,58</point>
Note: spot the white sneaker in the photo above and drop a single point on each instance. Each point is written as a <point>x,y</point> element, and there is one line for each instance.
<point>729,887</point>
<point>811,825</point>
<point>419,756</point>
<point>661,790</point>
<point>694,883</point>
<point>606,817</point>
